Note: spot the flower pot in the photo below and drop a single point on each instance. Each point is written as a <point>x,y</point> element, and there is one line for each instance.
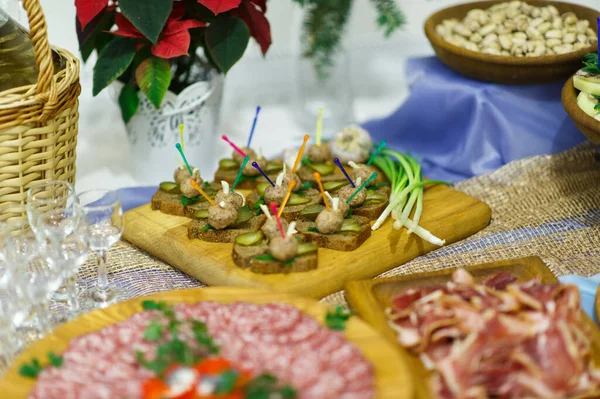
<point>153,133</point>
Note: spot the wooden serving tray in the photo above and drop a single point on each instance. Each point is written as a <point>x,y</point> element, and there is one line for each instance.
<point>447,213</point>
<point>393,380</point>
<point>369,298</point>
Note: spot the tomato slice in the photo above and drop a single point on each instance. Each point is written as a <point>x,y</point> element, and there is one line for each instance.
<point>213,366</point>
<point>154,388</point>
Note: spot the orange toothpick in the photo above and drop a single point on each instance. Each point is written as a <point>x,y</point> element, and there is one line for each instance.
<point>291,185</point>
<point>300,153</point>
<point>325,199</point>
<point>197,187</point>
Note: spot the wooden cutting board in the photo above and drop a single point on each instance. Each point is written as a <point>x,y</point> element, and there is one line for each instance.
<point>393,380</point>
<point>447,213</point>
<point>369,298</point>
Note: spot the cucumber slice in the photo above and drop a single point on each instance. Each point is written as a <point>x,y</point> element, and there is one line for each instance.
<point>169,186</point>
<point>333,186</point>
<point>306,248</point>
<point>296,199</point>
<point>261,187</point>
<point>273,167</point>
<point>350,225</point>
<point>201,214</point>
<point>311,212</point>
<point>251,238</point>
<point>587,104</point>
<point>589,83</point>
<point>373,198</point>
<point>228,164</point>
<point>323,168</point>
<point>243,216</point>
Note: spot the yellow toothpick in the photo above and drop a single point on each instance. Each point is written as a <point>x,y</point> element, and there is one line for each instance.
<point>181,137</point>
<point>291,185</point>
<point>197,187</point>
<point>319,126</point>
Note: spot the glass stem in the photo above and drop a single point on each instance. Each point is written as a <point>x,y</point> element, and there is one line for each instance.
<point>102,285</point>
<point>43,316</point>
<point>72,300</point>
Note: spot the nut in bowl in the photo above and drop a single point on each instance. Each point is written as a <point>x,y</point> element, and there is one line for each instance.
<point>513,42</point>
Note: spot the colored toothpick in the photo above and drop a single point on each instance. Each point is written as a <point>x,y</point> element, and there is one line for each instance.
<point>319,126</point>
<point>339,164</point>
<point>197,187</point>
<point>325,200</point>
<point>380,147</point>
<point>239,175</point>
<point>235,147</point>
<point>178,146</point>
<point>373,176</point>
<point>253,126</point>
<point>300,153</point>
<point>181,137</point>
<point>279,224</point>
<point>291,185</point>
<point>255,165</point>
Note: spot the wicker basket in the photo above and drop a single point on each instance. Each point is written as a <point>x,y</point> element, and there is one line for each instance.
<point>38,123</point>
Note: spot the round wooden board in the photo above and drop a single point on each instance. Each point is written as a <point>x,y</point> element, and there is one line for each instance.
<point>393,377</point>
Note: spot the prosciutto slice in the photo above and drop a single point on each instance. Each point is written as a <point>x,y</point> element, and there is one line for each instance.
<point>498,338</point>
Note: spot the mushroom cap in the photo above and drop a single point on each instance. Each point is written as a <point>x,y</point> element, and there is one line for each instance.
<point>233,198</point>
<point>239,158</point>
<point>182,173</point>
<point>319,153</point>
<point>186,188</point>
<point>364,172</point>
<point>275,194</point>
<point>250,170</point>
<point>221,217</point>
<point>271,229</point>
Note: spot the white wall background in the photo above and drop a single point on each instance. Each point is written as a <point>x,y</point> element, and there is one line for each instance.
<point>376,75</point>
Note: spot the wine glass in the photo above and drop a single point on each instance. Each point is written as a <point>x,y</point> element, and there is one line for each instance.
<point>54,214</point>
<point>104,217</point>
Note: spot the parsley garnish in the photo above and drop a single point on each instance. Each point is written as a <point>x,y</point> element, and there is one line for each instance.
<point>207,227</point>
<point>336,320</point>
<point>590,61</point>
<point>305,186</point>
<point>202,337</point>
<point>265,257</point>
<point>305,161</point>
<point>34,368</point>
<point>313,229</point>
<point>227,381</point>
<point>264,385</point>
<point>378,186</point>
<point>153,332</point>
<point>153,305</point>
<point>206,184</point>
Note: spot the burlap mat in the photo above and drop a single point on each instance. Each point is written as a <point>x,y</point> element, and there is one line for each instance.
<point>545,205</point>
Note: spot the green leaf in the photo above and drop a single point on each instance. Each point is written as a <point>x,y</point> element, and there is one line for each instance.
<point>154,305</point>
<point>313,229</point>
<point>153,332</point>
<point>55,360</point>
<point>94,36</point>
<point>149,16</point>
<point>112,62</point>
<point>157,366</point>
<point>226,40</point>
<point>336,320</point>
<point>265,257</point>
<point>154,77</point>
<point>129,102</point>
<point>207,227</point>
<point>31,370</point>
<point>227,381</point>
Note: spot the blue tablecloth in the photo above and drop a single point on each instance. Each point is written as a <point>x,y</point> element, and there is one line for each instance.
<point>461,128</point>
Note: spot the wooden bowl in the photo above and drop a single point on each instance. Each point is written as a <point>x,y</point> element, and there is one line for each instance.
<point>508,69</point>
<point>587,125</point>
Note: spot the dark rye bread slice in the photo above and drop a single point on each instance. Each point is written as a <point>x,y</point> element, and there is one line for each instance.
<point>170,203</point>
<point>197,229</point>
<point>373,211</point>
<point>247,182</point>
<point>244,257</point>
<point>291,212</point>
<point>342,241</point>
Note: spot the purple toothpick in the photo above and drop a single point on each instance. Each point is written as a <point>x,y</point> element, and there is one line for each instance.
<point>339,164</point>
<point>263,173</point>
<point>598,20</point>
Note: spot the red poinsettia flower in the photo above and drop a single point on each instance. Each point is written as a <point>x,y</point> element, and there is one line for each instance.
<point>253,14</point>
<point>219,6</point>
<point>174,41</point>
<point>88,10</point>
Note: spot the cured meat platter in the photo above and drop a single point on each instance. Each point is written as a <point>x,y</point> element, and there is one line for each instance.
<point>373,299</point>
<point>391,376</point>
<point>447,213</point>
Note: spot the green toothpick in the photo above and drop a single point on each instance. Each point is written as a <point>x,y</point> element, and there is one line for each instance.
<point>178,146</point>
<point>239,175</point>
<point>380,147</point>
<point>373,176</point>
